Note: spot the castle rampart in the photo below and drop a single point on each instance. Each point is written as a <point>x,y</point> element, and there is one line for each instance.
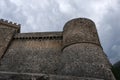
<point>74,54</point>
<point>7,31</point>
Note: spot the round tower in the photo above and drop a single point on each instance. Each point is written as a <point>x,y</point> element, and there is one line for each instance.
<point>82,54</point>
<point>80,30</point>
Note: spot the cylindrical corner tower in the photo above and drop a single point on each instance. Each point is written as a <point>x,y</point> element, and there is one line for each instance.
<point>82,54</point>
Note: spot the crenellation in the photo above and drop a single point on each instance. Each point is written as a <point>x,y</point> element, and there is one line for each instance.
<point>41,38</point>
<point>9,23</point>
<point>15,23</point>
<point>19,25</point>
<point>1,20</point>
<point>72,54</point>
<point>47,37</point>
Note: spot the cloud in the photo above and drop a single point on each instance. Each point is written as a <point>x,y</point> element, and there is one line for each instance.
<point>109,32</point>
<point>51,15</point>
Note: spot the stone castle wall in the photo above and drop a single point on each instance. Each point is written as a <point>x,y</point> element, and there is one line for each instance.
<point>32,56</point>
<point>74,54</point>
<point>80,30</point>
<point>7,31</point>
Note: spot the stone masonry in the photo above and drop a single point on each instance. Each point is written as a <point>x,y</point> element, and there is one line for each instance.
<point>73,54</point>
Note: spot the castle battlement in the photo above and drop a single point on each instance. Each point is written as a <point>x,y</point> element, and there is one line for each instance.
<point>40,36</point>
<point>9,23</point>
<point>72,54</point>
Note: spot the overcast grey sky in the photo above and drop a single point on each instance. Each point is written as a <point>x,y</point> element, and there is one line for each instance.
<point>51,15</point>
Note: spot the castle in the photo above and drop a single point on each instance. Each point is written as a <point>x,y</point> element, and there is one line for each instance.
<point>73,54</point>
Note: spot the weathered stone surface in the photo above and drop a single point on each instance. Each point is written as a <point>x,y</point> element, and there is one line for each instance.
<point>6,35</point>
<point>87,59</point>
<point>80,30</point>
<point>74,54</point>
<point>32,56</point>
<point>37,35</point>
<point>72,78</point>
<point>34,76</point>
